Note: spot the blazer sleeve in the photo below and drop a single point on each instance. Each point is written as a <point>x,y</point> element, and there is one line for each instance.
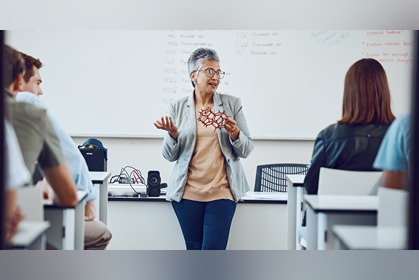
<point>243,145</point>
<point>311,181</point>
<point>171,147</point>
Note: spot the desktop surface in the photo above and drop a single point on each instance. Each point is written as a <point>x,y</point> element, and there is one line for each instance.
<point>371,237</point>
<point>338,203</point>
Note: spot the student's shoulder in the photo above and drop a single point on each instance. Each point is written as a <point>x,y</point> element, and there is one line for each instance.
<point>403,120</point>
<point>330,130</point>
<point>336,131</point>
<point>31,98</point>
<point>400,126</point>
<point>24,96</point>
<point>28,111</point>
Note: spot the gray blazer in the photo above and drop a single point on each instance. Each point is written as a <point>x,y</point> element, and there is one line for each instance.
<point>181,151</point>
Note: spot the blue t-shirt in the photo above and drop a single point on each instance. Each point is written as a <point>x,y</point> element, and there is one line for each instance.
<point>76,163</point>
<point>395,149</point>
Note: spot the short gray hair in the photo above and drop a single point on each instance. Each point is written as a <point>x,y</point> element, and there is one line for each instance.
<point>199,56</point>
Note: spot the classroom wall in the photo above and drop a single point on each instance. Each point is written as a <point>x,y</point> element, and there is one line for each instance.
<point>120,111</point>
<point>290,82</point>
<point>90,102</point>
<point>145,154</point>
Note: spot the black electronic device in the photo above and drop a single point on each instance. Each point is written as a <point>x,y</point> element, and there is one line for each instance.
<point>95,159</point>
<point>94,154</point>
<point>153,183</point>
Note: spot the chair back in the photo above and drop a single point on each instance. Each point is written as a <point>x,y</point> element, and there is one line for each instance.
<point>347,182</point>
<point>31,203</point>
<point>272,177</point>
<point>392,207</point>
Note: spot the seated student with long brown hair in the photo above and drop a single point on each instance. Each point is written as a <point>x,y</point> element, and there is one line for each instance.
<point>353,142</point>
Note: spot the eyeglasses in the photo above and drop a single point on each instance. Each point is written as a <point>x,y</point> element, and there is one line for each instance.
<point>210,72</point>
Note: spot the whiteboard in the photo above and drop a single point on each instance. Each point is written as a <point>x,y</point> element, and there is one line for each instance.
<point>116,83</point>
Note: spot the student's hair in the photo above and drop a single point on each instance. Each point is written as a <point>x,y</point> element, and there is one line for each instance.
<point>366,95</point>
<point>198,57</point>
<point>13,65</point>
<point>30,62</point>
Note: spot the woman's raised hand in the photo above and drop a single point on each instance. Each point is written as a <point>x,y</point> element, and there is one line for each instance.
<point>166,123</point>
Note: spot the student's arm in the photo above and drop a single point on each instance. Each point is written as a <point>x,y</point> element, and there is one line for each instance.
<point>394,179</point>
<point>13,215</point>
<point>62,183</point>
<point>90,210</point>
<point>11,201</point>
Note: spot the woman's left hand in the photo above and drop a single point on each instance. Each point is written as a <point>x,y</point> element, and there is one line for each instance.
<point>231,127</point>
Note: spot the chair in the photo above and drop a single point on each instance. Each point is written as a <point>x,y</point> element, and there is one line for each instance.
<point>271,177</point>
<point>347,182</point>
<point>32,230</point>
<point>31,203</point>
<point>344,182</point>
<point>392,207</point>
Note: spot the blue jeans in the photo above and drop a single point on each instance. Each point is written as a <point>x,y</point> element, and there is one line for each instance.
<point>205,225</point>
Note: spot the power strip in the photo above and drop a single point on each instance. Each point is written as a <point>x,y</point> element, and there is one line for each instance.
<point>125,189</point>
<point>124,180</point>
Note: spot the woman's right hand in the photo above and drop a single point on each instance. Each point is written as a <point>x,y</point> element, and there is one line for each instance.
<point>166,123</point>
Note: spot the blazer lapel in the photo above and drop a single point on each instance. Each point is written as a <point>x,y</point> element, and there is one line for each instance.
<point>218,102</point>
<point>191,113</point>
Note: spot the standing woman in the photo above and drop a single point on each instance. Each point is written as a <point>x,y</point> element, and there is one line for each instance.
<point>353,142</point>
<point>208,178</point>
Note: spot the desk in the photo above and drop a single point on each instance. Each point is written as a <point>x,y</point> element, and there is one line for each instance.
<point>100,179</point>
<point>295,186</point>
<point>30,235</point>
<point>140,223</point>
<point>324,211</point>
<point>370,237</point>
<point>67,224</point>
